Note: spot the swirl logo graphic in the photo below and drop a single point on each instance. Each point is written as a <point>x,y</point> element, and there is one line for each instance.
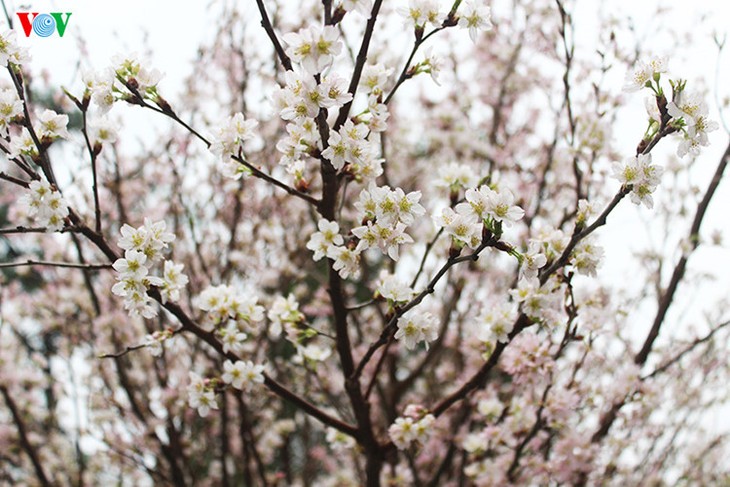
<point>44,25</point>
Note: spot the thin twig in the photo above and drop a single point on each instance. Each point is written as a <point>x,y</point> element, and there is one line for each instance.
<point>72,265</point>
<point>266,24</point>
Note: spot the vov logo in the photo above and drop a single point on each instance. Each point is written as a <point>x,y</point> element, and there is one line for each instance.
<point>43,25</point>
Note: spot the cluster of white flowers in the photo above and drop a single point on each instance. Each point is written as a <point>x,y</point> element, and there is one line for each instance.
<point>314,47</point>
<point>644,73</point>
<point>393,289</point>
<point>284,312</point>
<point>387,213</point>
<point>540,303</point>
<point>324,242</point>
<point>417,326</point>
<point>456,177</point>
<point>422,12</point>
<point>641,176</point>
<point>302,97</point>
<point>201,394</point>
<point>242,375</point>
<point>102,131</point>
<point>350,146</point>
<point>532,261</point>
<point>361,6</point>
<point>10,51</point>
<point>155,340</point>
<point>300,102</point>
<point>223,303</point>
<point>131,70</point>
<point>475,16</point>
<point>490,408</point>
<point>483,205</point>
<point>414,426</point>
<point>688,110</point>
<point>100,87</point>
<point>339,441</point>
<point>10,108</point>
<point>143,248</point>
<point>135,73</point>
<point>228,142</point>
<point>586,257</point>
<point>496,323</point>
<point>52,126</point>
<point>374,78</point>
<point>692,109</point>
<point>45,206</point>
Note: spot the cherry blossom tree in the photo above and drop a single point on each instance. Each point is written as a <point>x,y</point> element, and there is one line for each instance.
<point>367,245</point>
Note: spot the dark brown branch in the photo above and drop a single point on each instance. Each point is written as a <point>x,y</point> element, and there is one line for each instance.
<point>21,229</point>
<point>14,180</point>
<point>266,24</point>
<point>124,352</point>
<point>679,269</point>
<point>362,56</point>
<point>72,265</point>
<point>23,436</point>
<point>44,162</point>
<point>452,261</point>
<point>694,344</point>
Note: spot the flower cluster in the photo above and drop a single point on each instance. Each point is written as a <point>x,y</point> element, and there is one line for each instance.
<point>586,257</point>
<point>475,16</point>
<point>99,86</point>
<point>645,73</point>
<point>314,48</point>
<point>456,177</point>
<point>228,142</point>
<point>10,51</point>
<point>527,357</point>
<point>11,107</point>
<point>417,326</point>
<point>134,74</point>
<point>639,174</point>
<point>113,83</point>
<point>350,146</point>
<point>540,303</point>
<point>496,323</point>
<point>325,239</point>
<point>242,375</point>
<point>201,394</point>
<point>327,242</point>
<point>688,111</point>
<point>483,205</point>
<point>414,427</point>
<point>143,248</point>
<point>393,289</point>
<point>156,339</point>
<point>387,214</point>
<point>284,312</point>
<point>44,205</point>
<point>52,126</point>
<point>101,131</point>
<point>223,303</point>
<point>422,12</point>
<point>693,111</point>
